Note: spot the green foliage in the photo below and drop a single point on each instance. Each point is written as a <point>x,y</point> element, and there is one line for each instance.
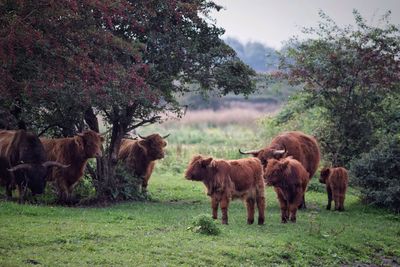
<point>377,173</point>
<point>204,224</point>
<point>349,72</point>
<point>126,186</point>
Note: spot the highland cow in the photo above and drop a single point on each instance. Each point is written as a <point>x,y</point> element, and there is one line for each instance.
<point>229,179</point>
<point>74,151</point>
<point>289,179</point>
<point>336,181</point>
<point>300,146</point>
<point>23,163</point>
<point>139,156</point>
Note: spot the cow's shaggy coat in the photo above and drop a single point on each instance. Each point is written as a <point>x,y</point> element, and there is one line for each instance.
<point>227,179</point>
<point>139,156</point>
<point>336,181</point>
<point>74,151</point>
<point>289,179</point>
<point>300,146</point>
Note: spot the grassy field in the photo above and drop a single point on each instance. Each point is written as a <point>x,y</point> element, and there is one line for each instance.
<point>155,232</point>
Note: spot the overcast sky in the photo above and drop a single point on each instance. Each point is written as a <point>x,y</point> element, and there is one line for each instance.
<point>273,21</point>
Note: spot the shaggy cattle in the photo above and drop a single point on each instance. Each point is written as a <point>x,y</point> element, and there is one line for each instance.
<point>139,156</point>
<point>289,179</point>
<point>300,146</point>
<point>336,180</point>
<point>227,179</point>
<point>74,151</point>
<point>23,163</point>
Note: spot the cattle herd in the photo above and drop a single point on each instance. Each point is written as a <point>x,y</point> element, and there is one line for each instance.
<point>288,163</point>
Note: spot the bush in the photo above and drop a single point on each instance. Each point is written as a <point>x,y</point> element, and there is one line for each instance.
<point>204,224</point>
<point>377,173</point>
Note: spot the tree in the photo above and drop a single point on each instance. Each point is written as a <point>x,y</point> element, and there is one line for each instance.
<point>349,72</point>
<point>65,62</point>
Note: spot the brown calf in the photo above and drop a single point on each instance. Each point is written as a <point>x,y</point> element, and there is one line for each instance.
<point>336,180</point>
<point>290,179</point>
<point>229,179</point>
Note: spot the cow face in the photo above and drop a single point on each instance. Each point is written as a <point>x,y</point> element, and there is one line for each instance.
<point>199,169</point>
<point>265,155</point>
<point>91,142</point>
<point>32,176</point>
<point>324,175</point>
<point>155,145</point>
<point>274,171</point>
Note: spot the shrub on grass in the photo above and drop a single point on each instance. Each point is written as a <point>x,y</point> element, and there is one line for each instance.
<point>377,173</point>
<point>204,224</point>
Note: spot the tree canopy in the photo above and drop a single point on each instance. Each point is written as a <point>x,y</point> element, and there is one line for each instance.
<point>64,62</point>
<point>350,72</point>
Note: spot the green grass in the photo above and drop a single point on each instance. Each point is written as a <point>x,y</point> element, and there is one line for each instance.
<point>157,232</point>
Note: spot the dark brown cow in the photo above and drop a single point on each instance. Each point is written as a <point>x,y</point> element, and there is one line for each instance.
<point>74,151</point>
<point>290,179</point>
<point>336,180</point>
<point>23,163</point>
<point>226,179</point>
<point>139,156</point>
<point>300,146</point>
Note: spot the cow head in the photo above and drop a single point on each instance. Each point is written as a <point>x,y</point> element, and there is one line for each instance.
<point>200,168</point>
<point>29,159</point>
<point>324,175</point>
<point>90,143</point>
<point>274,171</point>
<point>154,145</point>
<point>33,175</point>
<point>266,154</point>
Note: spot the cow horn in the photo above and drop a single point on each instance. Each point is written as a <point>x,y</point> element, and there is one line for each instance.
<point>21,166</point>
<point>143,137</point>
<point>48,164</point>
<point>279,152</point>
<point>165,136</point>
<point>248,152</point>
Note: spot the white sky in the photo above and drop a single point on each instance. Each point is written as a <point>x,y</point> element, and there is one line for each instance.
<point>273,21</point>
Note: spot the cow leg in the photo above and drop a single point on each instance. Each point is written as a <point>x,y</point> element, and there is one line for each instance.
<point>21,191</point>
<point>144,185</point>
<point>214,207</point>
<point>250,203</point>
<point>293,211</point>
<point>63,195</point>
<point>261,209</point>
<point>8,192</point>
<point>341,202</point>
<point>302,205</point>
<point>284,207</point>
<point>329,191</point>
<point>336,200</point>
<point>224,208</point>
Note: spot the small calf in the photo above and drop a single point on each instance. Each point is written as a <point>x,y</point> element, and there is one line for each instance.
<point>229,179</point>
<point>336,180</point>
<point>289,179</point>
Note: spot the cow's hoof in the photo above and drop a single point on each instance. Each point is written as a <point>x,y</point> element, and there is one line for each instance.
<point>328,207</point>
<point>260,221</point>
<point>250,221</point>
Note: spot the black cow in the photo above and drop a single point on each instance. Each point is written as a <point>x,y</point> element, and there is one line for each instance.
<point>23,163</point>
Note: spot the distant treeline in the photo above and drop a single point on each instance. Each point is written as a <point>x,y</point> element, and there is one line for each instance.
<point>257,55</point>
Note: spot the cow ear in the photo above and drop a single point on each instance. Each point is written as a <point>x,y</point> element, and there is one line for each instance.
<point>284,164</point>
<point>325,172</point>
<point>206,162</point>
<point>79,141</point>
